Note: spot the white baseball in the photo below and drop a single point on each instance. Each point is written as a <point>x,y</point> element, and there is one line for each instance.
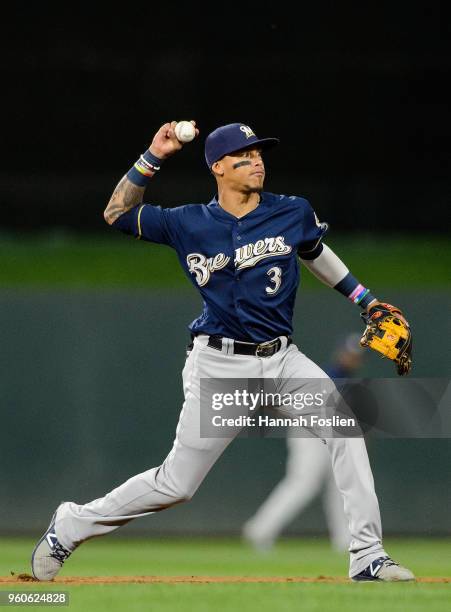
<point>184,130</point>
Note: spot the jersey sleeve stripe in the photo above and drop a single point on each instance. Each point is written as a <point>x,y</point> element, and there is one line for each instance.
<point>139,222</point>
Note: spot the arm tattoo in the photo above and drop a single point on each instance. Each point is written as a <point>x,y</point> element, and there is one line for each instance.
<point>127,195</point>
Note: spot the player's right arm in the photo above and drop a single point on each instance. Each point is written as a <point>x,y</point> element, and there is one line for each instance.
<point>126,196</point>
<point>130,190</point>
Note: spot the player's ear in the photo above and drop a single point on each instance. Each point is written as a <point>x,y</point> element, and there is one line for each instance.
<point>217,168</point>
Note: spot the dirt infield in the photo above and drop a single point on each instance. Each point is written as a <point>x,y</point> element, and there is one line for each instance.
<point>78,580</point>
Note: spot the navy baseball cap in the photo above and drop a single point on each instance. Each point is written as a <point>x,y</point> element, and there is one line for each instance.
<point>233,137</point>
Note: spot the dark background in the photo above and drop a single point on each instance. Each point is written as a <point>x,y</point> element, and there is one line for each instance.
<point>358,95</point>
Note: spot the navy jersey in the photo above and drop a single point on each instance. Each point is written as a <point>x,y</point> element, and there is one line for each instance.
<point>246,269</point>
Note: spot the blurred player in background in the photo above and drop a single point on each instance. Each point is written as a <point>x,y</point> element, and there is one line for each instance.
<point>308,474</point>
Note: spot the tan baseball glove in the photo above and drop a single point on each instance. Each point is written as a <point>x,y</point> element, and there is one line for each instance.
<point>388,333</point>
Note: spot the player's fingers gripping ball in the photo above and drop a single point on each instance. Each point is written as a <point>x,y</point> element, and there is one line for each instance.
<point>388,333</point>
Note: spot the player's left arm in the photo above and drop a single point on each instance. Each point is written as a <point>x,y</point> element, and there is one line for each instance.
<point>324,263</point>
<point>387,331</point>
<point>331,271</point>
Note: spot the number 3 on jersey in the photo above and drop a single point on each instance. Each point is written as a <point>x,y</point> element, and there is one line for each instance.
<point>275,275</point>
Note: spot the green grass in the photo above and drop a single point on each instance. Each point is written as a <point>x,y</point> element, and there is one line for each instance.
<point>113,260</point>
<point>307,557</point>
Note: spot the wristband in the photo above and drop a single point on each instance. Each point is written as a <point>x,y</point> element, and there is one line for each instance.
<point>144,168</point>
<point>354,291</point>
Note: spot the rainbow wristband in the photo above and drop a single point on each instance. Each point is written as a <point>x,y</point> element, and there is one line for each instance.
<point>358,294</point>
<point>354,291</point>
<point>143,169</point>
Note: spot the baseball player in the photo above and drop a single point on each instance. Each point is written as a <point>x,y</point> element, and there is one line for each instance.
<point>241,252</point>
<point>308,473</point>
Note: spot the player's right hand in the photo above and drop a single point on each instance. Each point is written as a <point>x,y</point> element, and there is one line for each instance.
<point>165,143</point>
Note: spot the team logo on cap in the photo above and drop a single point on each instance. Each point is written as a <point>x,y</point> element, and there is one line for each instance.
<point>247,130</point>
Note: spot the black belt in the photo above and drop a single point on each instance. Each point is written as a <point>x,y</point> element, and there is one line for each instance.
<point>264,349</point>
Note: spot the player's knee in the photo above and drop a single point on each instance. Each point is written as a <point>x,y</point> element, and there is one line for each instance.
<point>181,497</point>
<point>179,494</point>
<point>188,492</point>
<point>186,497</point>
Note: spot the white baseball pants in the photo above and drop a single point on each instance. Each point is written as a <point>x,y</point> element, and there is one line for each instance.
<point>192,456</point>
